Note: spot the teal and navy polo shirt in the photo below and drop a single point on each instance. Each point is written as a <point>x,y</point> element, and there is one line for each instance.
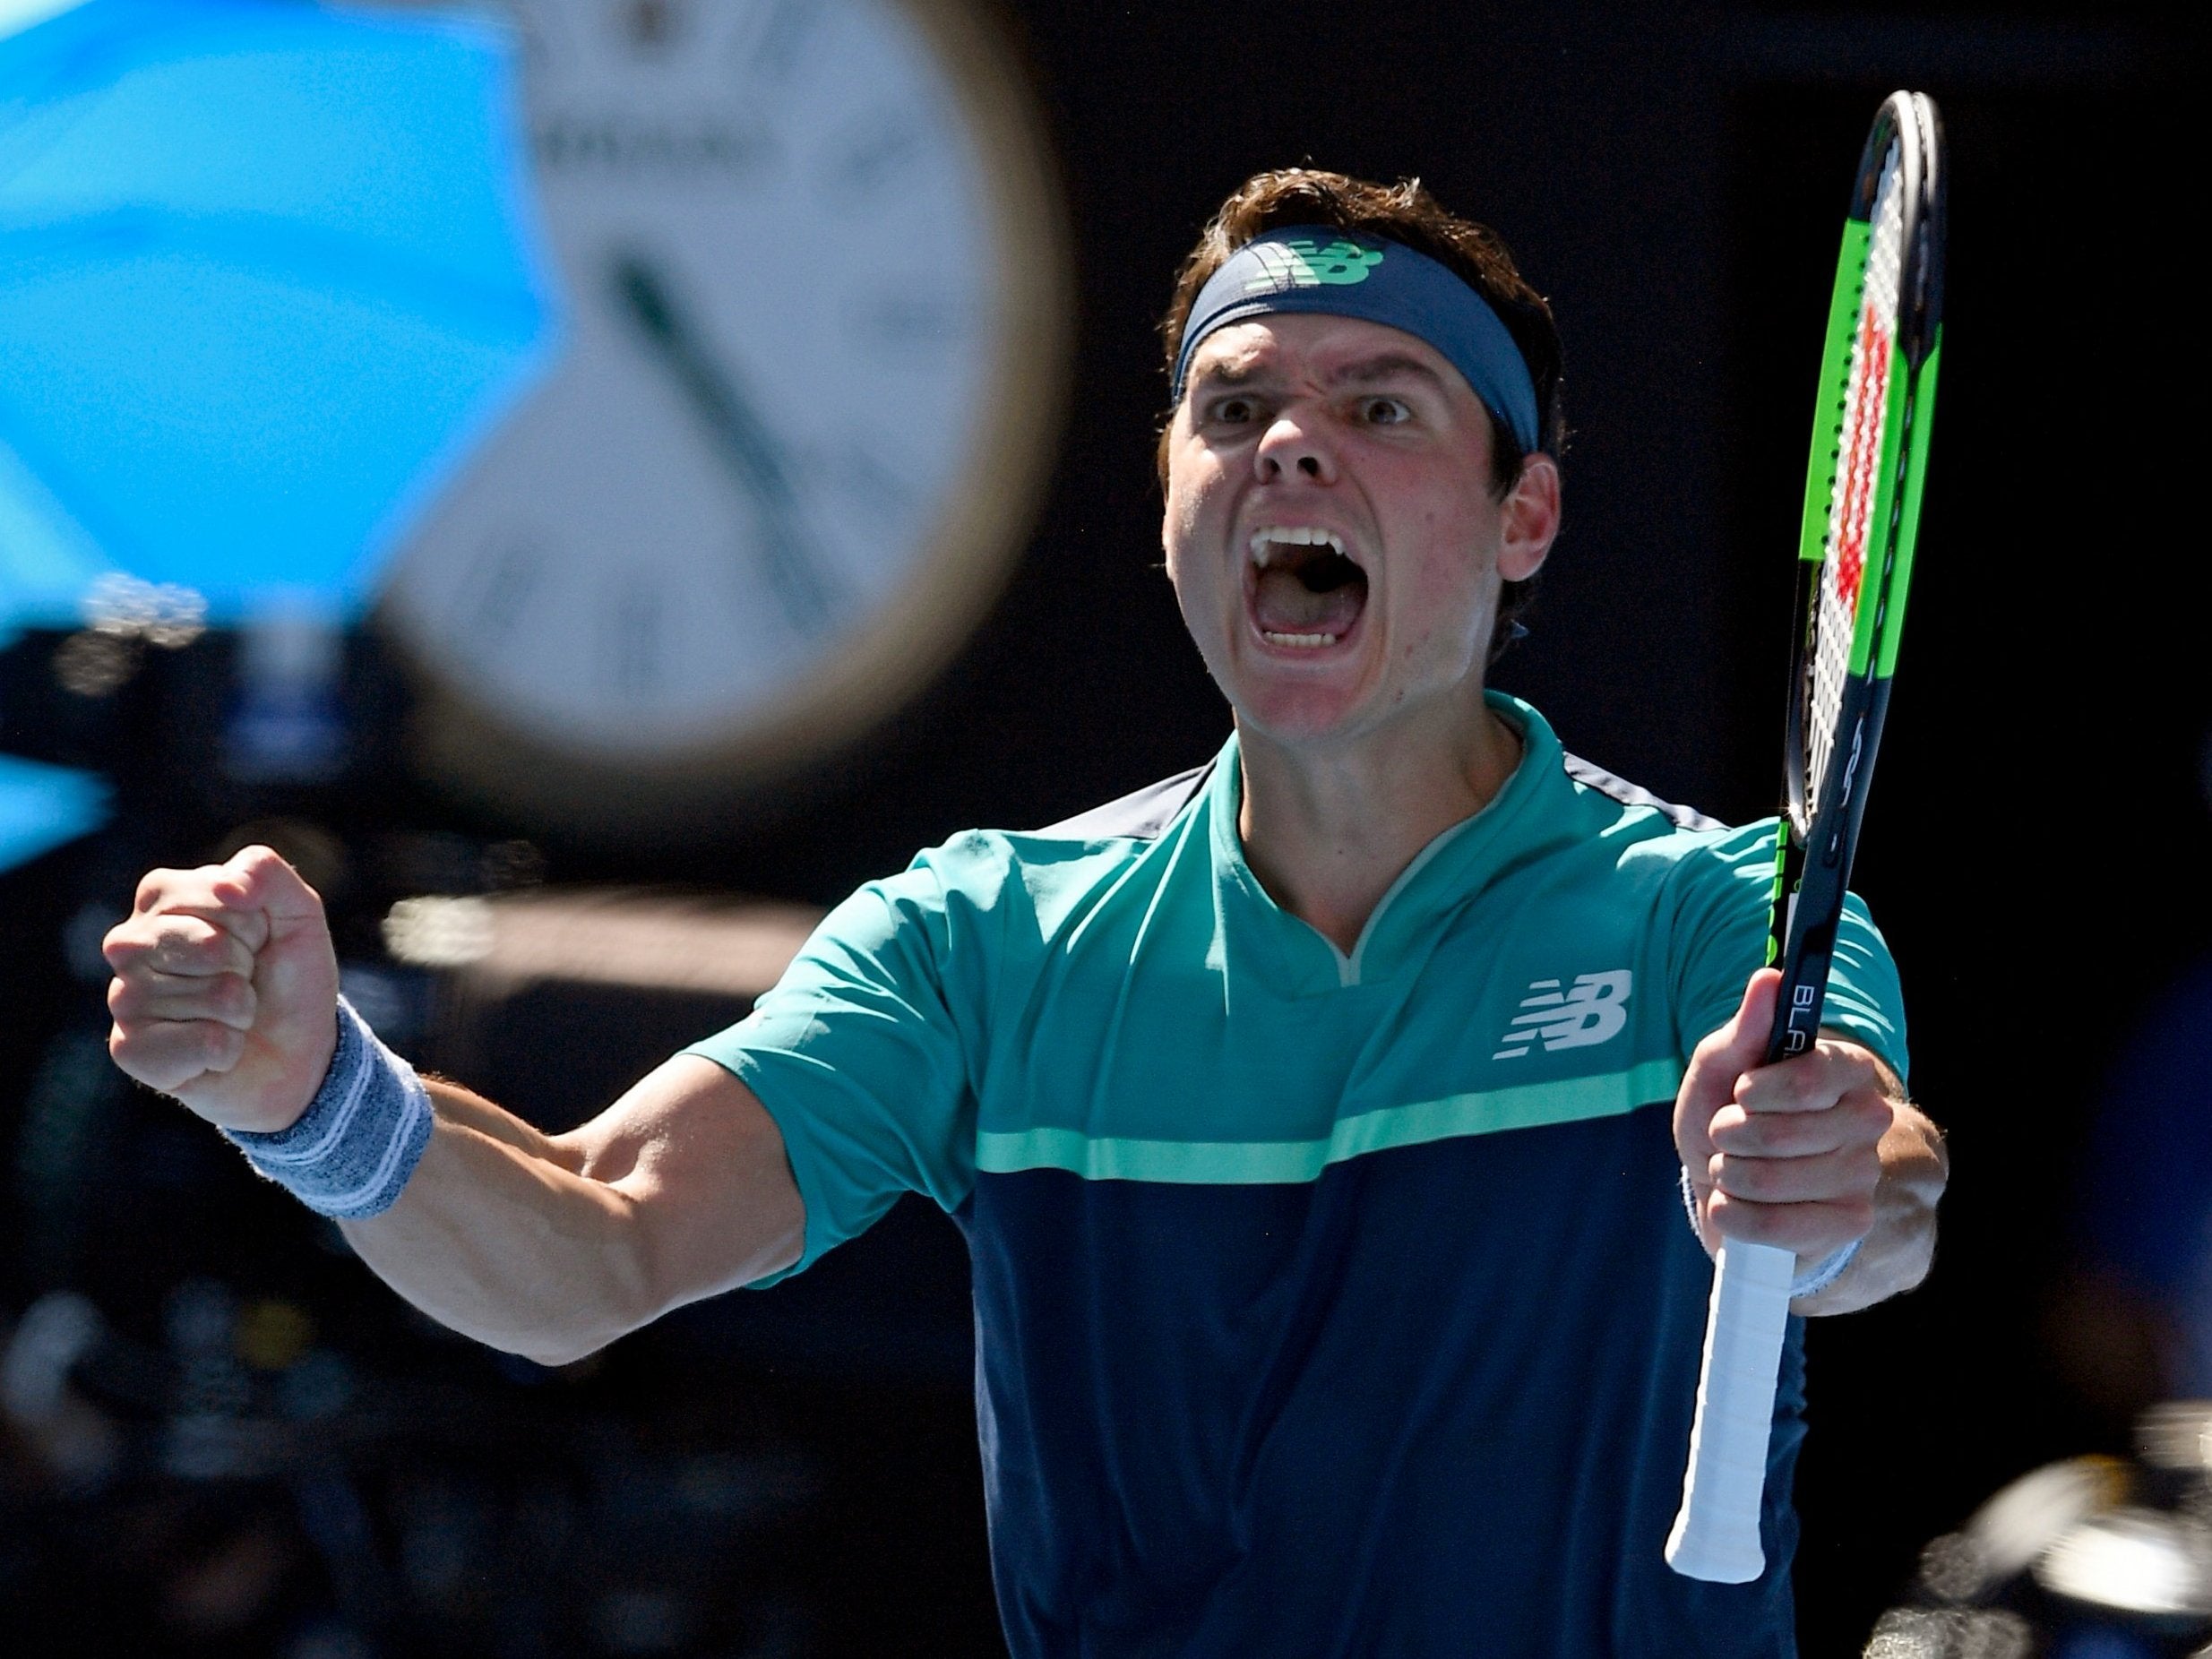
<point>1325,1303</point>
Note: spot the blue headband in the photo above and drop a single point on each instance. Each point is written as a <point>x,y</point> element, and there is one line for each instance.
<point>1317,268</point>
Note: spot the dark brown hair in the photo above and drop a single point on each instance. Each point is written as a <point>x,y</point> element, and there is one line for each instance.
<point>1404,213</point>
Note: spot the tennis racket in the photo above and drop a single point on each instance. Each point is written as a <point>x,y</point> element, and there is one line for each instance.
<point>1870,456</point>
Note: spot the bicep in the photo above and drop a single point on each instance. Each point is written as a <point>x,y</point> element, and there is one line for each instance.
<point>704,1168</point>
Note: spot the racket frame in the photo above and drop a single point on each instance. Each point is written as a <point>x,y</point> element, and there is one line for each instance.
<point>1715,1534</point>
<point>1814,849</point>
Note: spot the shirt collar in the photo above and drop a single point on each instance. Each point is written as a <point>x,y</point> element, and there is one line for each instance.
<point>1453,867</point>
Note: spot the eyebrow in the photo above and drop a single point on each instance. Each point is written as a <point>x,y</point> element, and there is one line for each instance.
<point>1366,371</point>
<point>1219,374</point>
<point>1386,366</point>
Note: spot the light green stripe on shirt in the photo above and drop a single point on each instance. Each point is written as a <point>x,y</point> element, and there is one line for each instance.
<point>1257,1163</point>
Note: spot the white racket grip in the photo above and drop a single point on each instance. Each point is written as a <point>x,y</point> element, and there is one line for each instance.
<point>1716,1535</point>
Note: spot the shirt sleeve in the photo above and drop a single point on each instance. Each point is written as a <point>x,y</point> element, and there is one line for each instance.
<point>859,1057</point>
<point>1719,939</point>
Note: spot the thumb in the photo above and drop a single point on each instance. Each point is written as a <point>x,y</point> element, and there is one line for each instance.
<point>1709,1083</point>
<point>1742,1043</point>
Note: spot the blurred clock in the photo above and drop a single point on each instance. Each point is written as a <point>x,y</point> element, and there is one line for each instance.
<point>819,321</point>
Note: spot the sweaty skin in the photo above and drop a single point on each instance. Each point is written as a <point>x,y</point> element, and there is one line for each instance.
<point>1364,734</point>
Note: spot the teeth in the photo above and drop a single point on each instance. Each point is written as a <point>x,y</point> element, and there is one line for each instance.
<point>1305,640</point>
<point>1263,541</point>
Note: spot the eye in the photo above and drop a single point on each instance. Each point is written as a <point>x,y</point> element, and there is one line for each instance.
<point>1233,410</point>
<point>1383,411</point>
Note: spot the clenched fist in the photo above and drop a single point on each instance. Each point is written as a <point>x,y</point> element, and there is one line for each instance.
<point>1789,1153</point>
<point>225,990</point>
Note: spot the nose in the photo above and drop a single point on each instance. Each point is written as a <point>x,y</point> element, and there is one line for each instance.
<point>1291,446</point>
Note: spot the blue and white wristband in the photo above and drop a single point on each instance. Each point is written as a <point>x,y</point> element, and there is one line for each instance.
<point>1818,1277</point>
<point>361,1136</point>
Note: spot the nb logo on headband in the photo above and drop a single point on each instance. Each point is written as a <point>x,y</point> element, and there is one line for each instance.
<point>1302,263</point>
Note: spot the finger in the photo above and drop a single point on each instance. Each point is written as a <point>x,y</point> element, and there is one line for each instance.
<point>228,998</point>
<point>1857,1120</point>
<point>158,890</point>
<point>1809,1082</point>
<point>216,893</point>
<point>1850,1174</point>
<point>1811,1231</point>
<point>170,1056</point>
<point>257,876</point>
<point>161,892</point>
<point>176,944</point>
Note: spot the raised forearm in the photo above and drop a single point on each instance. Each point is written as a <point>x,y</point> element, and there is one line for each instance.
<point>501,1235</point>
<point>226,998</point>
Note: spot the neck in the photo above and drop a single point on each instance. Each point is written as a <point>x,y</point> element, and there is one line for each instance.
<point>1328,829</point>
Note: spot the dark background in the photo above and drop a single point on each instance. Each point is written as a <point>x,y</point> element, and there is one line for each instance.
<point>1672,181</point>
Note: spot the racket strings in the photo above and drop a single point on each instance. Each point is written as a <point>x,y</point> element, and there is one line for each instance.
<point>1852,495</point>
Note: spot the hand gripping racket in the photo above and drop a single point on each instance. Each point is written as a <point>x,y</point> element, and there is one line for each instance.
<point>1869,455</point>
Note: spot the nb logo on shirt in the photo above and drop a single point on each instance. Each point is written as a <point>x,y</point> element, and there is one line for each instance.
<point>1586,1013</point>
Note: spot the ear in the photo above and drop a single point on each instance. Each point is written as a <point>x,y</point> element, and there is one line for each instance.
<point>1169,540</point>
<point>1530,519</point>
<point>1172,447</point>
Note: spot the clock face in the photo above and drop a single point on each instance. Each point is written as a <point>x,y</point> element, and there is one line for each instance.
<point>815,324</point>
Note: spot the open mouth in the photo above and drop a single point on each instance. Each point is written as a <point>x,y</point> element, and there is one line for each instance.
<point>1306,593</point>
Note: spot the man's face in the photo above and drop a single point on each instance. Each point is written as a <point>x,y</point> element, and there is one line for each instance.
<point>1329,528</point>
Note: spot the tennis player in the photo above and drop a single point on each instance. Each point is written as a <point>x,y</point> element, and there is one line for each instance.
<point>1340,1130</point>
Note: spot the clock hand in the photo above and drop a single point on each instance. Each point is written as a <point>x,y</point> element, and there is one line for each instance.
<point>806,589</point>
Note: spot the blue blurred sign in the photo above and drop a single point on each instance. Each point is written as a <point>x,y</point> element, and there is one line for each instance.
<point>267,271</point>
<point>42,806</point>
